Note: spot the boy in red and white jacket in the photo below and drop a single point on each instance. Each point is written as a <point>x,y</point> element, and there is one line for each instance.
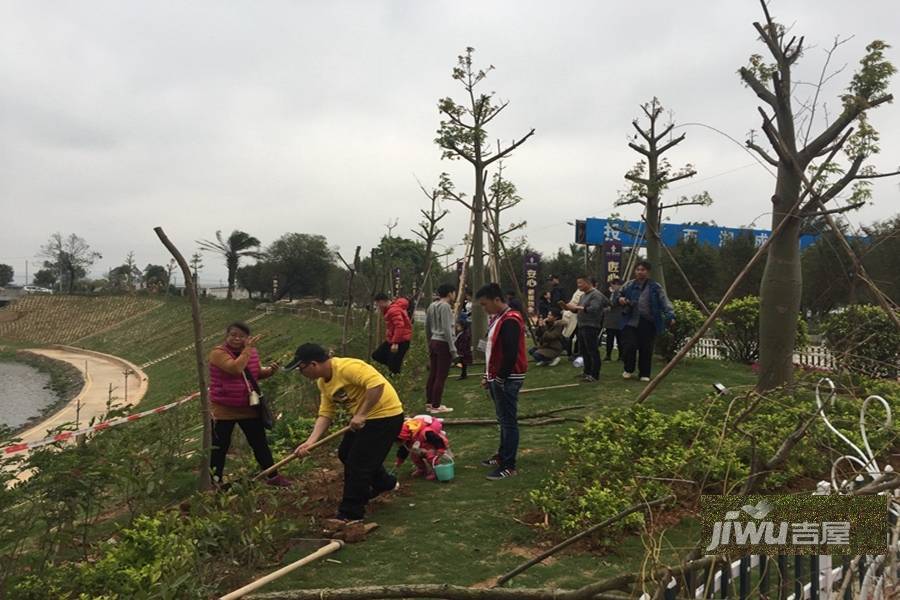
<point>506,363</point>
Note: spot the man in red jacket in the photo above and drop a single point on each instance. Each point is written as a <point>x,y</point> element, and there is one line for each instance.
<point>507,363</point>
<point>398,332</point>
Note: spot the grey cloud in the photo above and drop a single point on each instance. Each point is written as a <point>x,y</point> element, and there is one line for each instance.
<point>309,116</point>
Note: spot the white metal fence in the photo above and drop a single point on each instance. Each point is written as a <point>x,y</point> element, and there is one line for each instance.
<point>816,357</point>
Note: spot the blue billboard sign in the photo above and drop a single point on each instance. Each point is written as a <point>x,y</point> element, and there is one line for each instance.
<point>598,231</point>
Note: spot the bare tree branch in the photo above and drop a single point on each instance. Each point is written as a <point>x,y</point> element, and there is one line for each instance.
<point>761,91</point>
<point>684,175</point>
<point>832,211</point>
<point>850,112</point>
<point>877,175</point>
<point>674,142</point>
<point>509,149</point>
<point>765,155</point>
<point>640,149</point>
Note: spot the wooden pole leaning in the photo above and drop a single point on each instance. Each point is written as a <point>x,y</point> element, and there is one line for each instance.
<point>332,546</point>
<point>293,456</point>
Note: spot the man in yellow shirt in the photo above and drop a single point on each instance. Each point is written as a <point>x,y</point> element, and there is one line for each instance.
<point>377,416</point>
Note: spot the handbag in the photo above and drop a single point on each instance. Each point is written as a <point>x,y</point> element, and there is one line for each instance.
<point>258,400</point>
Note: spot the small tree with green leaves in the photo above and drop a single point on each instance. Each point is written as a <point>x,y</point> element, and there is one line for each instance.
<point>429,232</point>
<point>463,135</point>
<point>652,174</point>
<point>788,122</point>
<point>6,274</point>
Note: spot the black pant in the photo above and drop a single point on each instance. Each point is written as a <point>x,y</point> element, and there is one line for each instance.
<point>392,360</point>
<point>613,334</point>
<point>638,343</point>
<point>363,453</point>
<point>589,343</point>
<point>221,439</point>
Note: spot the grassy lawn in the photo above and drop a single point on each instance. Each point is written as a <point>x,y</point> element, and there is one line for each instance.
<point>471,530</point>
<point>464,532</point>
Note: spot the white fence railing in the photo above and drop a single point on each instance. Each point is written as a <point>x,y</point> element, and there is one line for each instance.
<point>816,357</point>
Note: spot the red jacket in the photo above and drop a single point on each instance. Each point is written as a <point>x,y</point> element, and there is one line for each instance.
<point>496,359</point>
<point>397,323</point>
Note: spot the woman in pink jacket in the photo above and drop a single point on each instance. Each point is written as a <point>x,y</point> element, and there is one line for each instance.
<point>234,369</point>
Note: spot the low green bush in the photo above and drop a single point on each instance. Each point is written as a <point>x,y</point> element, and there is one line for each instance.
<point>688,320</point>
<point>615,460</point>
<point>738,330</point>
<point>168,555</point>
<point>631,455</point>
<point>864,341</point>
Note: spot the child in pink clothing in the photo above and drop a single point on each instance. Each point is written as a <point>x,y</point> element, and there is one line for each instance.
<point>422,438</point>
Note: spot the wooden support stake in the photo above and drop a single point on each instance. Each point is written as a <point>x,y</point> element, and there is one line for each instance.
<point>205,481</point>
<point>332,546</point>
<point>582,535</point>
<point>550,387</point>
<point>293,456</point>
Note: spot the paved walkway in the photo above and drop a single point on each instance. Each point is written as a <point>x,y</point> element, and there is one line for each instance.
<point>102,370</point>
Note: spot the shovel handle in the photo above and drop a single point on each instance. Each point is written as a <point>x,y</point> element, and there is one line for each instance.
<point>293,456</point>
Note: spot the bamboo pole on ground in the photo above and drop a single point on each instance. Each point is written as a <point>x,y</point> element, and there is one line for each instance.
<point>564,544</point>
<point>293,456</point>
<point>205,481</point>
<point>549,387</point>
<point>332,546</point>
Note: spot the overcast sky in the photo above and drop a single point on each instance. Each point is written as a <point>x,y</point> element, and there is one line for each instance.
<point>316,117</point>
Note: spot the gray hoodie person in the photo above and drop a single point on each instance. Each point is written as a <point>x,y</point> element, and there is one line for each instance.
<point>439,324</point>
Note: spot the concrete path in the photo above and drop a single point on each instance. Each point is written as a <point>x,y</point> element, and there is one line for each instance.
<point>102,370</point>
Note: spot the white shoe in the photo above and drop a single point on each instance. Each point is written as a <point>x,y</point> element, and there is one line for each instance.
<point>645,379</point>
<point>627,375</point>
<point>554,362</point>
<point>439,409</point>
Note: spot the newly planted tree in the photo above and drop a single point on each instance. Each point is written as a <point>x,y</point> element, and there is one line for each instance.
<point>238,245</point>
<point>430,232</point>
<point>652,174</point>
<point>788,123</point>
<point>502,196</point>
<point>463,135</point>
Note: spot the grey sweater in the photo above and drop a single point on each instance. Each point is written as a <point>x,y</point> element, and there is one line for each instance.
<point>439,324</point>
<point>594,303</point>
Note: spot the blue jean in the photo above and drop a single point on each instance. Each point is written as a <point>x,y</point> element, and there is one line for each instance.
<point>506,403</point>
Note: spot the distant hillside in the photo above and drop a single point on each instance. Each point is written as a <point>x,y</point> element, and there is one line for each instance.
<point>62,319</point>
<point>167,329</point>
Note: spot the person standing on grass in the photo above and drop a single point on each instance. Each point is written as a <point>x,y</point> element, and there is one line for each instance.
<point>506,364</point>
<point>234,370</point>
<point>359,388</point>
<point>441,347</point>
<point>646,312</point>
<point>590,309</point>
<point>398,332</point>
<point>612,321</point>
<point>557,294</point>
<point>463,343</point>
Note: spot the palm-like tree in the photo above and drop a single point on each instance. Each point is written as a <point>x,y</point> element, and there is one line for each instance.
<point>238,245</point>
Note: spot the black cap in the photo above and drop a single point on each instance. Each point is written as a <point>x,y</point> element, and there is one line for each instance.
<point>306,354</point>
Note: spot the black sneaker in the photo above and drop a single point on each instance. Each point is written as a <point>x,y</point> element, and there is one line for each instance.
<point>493,461</point>
<point>501,473</point>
